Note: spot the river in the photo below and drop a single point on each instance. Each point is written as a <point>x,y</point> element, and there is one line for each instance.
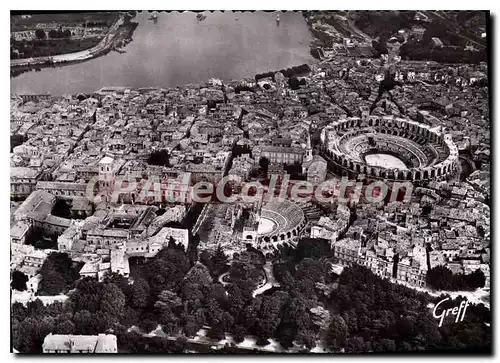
<point>179,49</point>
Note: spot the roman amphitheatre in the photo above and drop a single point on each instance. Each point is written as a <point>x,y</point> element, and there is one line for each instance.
<point>388,148</point>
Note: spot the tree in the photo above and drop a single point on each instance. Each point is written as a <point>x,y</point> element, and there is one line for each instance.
<point>206,259</point>
<point>148,325</point>
<point>129,341</point>
<point>216,331</point>
<point>192,248</point>
<point>237,299</point>
<point>19,280</point>
<point>355,345</point>
<point>227,321</point>
<point>16,140</point>
<point>140,293</point>
<point>199,274</point>
<point>311,269</point>
<point>220,262</point>
<point>64,325</point>
<point>264,164</point>
<point>105,321</point>
<point>268,319</point>
<point>167,301</point>
<point>246,269</point>
<point>387,345</point>
<point>218,293</point>
<point>130,317</point>
<point>476,279</point>
<point>179,345</point>
<point>442,278</point>
<point>380,46</point>
<point>35,308</point>
<point>239,334</point>
<point>29,335</point>
<point>313,248</point>
<point>320,317</point>
<point>306,338</point>
<point>85,323</point>
<point>214,312</point>
<point>337,332</point>
<point>199,316</point>
<point>52,284</point>
<point>430,330</point>
<point>112,301</point>
<point>166,271</point>
<point>86,296</point>
<point>18,311</point>
<point>389,316</point>
<point>191,291</point>
<point>57,309</point>
<point>53,34</point>
<point>40,33</point>
<point>191,327</point>
<point>60,264</point>
<point>121,281</point>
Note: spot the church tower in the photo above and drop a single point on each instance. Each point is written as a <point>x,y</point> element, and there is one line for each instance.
<point>309,152</point>
<point>106,175</point>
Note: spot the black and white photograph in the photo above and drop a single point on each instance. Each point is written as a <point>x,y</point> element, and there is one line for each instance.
<point>313,182</point>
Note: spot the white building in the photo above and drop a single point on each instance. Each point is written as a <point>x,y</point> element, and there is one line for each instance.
<point>102,343</point>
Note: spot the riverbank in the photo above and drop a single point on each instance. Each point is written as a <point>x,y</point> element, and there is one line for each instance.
<point>118,35</point>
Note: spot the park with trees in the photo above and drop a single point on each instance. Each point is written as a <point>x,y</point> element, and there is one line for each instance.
<point>442,278</point>
<point>355,311</point>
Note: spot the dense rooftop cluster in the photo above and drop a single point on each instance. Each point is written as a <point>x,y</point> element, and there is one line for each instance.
<point>252,129</point>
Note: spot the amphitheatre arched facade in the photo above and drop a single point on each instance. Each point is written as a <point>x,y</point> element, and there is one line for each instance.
<point>428,153</point>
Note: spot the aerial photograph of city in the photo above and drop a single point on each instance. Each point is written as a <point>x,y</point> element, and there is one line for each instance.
<point>250,182</point>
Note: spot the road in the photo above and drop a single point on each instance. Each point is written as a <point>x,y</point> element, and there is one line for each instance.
<point>269,282</point>
<point>221,278</point>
